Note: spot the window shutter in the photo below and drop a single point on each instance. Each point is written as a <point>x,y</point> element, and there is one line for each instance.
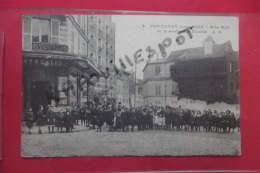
<point>27,33</point>
<point>55,31</point>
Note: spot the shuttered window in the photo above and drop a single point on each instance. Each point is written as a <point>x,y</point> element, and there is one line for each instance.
<point>27,36</point>
<point>55,31</point>
<point>157,70</point>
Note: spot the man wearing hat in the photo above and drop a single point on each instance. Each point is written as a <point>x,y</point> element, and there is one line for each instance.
<point>50,119</point>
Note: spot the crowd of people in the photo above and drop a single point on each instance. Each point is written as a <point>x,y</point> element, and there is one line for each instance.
<point>119,118</point>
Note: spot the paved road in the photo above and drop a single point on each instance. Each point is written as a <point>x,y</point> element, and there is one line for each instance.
<point>85,142</point>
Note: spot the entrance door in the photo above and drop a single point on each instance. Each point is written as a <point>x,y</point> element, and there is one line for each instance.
<point>38,95</point>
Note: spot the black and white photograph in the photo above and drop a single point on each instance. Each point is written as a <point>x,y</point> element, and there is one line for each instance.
<point>130,85</point>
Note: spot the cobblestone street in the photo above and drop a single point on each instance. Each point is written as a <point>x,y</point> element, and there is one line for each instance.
<point>85,142</point>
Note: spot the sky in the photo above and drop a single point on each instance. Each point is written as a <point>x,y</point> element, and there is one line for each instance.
<point>135,32</point>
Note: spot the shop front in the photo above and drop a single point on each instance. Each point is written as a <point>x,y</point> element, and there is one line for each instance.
<point>56,81</point>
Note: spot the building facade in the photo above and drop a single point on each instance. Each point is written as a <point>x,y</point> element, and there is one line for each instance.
<point>122,87</point>
<point>180,80</point>
<point>158,87</point>
<point>57,62</point>
<point>101,50</point>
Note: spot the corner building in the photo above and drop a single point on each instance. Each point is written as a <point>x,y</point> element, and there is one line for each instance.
<point>57,50</point>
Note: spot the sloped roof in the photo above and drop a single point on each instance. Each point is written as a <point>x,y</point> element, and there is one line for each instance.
<point>194,53</point>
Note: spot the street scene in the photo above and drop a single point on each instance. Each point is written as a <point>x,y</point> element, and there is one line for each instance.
<point>128,85</point>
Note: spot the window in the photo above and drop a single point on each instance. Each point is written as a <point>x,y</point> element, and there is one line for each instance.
<point>157,70</point>
<point>99,60</point>
<point>100,23</point>
<point>91,20</point>
<point>158,90</point>
<point>40,30</point>
<point>99,42</point>
<point>84,48</point>
<point>91,56</point>
<point>175,89</point>
<point>107,31</point>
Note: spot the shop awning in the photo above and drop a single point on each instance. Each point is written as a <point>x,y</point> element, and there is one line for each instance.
<point>75,63</point>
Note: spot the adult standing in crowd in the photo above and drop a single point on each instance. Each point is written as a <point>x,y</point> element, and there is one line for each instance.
<point>50,119</point>
<point>41,118</point>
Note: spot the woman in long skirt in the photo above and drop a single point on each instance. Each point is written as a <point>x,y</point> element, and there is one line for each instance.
<point>41,118</point>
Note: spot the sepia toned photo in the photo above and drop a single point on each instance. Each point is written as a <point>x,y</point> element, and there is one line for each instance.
<point>130,85</point>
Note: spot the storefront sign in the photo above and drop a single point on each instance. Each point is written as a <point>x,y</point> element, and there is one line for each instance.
<point>51,47</point>
<point>42,62</point>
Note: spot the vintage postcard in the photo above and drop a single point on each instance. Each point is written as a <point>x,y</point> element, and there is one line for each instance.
<point>130,85</point>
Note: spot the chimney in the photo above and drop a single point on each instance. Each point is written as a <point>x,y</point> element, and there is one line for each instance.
<point>208,45</point>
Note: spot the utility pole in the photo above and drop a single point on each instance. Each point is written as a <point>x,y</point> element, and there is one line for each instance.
<point>134,85</point>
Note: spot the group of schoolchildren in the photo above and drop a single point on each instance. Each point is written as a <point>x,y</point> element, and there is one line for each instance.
<point>119,118</point>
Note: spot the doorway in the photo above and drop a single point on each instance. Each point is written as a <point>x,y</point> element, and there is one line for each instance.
<point>40,90</point>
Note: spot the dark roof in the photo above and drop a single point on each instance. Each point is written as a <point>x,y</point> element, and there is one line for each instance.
<point>194,53</point>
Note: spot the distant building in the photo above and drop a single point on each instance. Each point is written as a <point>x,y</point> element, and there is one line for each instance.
<point>183,80</point>
<point>101,51</point>
<point>122,87</point>
<point>135,89</point>
<point>158,86</point>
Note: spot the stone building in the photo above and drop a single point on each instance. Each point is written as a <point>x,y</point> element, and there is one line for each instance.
<point>165,79</point>
<point>65,51</point>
